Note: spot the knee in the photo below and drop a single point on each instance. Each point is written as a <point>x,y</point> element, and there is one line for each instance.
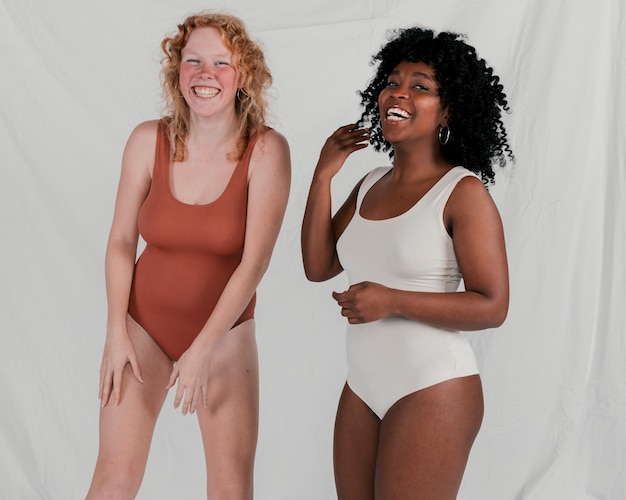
<point>239,491</point>
<point>114,484</point>
<point>233,481</point>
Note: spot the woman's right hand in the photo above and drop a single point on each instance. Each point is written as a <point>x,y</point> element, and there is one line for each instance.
<point>320,229</point>
<point>342,143</point>
<point>118,351</point>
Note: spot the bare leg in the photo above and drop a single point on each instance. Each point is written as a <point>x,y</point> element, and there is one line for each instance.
<point>126,430</point>
<point>355,448</point>
<point>425,440</point>
<point>229,423</point>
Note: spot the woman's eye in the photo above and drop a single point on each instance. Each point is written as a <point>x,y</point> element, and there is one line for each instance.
<point>392,84</point>
<point>419,86</point>
<point>195,61</point>
<point>222,63</point>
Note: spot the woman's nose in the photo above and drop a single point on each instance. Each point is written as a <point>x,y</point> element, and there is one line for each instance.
<point>399,93</point>
<point>206,71</point>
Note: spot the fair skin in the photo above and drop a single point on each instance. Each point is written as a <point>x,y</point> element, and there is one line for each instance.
<point>420,448</point>
<point>217,377</point>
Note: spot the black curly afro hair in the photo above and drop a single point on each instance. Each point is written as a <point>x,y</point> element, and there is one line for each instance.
<point>467,86</point>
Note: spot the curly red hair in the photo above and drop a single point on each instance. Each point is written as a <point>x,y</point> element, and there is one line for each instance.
<point>255,78</point>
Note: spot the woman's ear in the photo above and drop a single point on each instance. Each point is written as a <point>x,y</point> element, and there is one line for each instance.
<point>445,117</point>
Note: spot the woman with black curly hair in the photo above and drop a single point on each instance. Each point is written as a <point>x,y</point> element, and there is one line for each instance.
<point>412,404</point>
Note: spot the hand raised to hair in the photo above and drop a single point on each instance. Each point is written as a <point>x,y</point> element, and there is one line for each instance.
<point>342,143</point>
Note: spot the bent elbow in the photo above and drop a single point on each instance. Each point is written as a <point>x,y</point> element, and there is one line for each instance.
<point>317,278</point>
<point>313,275</point>
<point>499,314</point>
<point>498,320</point>
<point>317,269</point>
<point>317,274</point>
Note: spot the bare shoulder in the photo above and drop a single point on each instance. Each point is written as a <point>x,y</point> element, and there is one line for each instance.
<point>469,190</point>
<point>470,201</point>
<point>271,148</point>
<point>144,135</point>
<point>140,147</point>
<point>269,173</point>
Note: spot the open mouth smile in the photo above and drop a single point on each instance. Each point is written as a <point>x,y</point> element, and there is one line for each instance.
<point>205,92</point>
<point>396,114</point>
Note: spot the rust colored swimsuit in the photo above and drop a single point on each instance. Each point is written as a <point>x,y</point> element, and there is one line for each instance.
<point>191,252</point>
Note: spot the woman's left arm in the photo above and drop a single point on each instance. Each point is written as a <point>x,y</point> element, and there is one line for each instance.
<point>474,223</point>
<point>268,191</point>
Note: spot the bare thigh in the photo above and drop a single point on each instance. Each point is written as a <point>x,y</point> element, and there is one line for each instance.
<point>355,447</point>
<point>126,430</point>
<point>229,423</point>
<point>425,440</point>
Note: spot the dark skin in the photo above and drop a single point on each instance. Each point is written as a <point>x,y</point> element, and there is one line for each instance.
<point>431,467</point>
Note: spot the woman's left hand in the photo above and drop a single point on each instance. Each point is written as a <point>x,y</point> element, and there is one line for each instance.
<point>192,372</point>
<point>364,302</point>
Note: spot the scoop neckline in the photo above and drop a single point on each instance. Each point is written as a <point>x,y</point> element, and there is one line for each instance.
<point>221,195</point>
<point>411,208</point>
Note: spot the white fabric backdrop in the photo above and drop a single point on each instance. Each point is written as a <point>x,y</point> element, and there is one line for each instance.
<point>76,78</point>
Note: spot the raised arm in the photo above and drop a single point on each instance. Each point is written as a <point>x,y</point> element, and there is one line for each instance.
<point>320,230</point>
<point>474,223</point>
<point>134,184</point>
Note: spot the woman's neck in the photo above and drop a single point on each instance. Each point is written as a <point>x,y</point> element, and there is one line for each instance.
<point>212,134</point>
<point>415,162</point>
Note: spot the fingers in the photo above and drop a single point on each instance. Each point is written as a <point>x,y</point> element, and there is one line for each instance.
<point>342,143</point>
<point>352,128</point>
<point>105,388</point>
<point>187,400</point>
<point>190,376</point>
<point>111,382</point>
<point>349,303</point>
<point>345,296</point>
<point>345,304</point>
<point>205,396</point>
<point>342,298</point>
<point>353,317</point>
<point>134,364</point>
<point>350,138</point>
<point>108,386</point>
<point>190,402</point>
<point>180,391</point>
<point>187,396</point>
<point>117,386</point>
<point>184,393</point>
<point>173,377</point>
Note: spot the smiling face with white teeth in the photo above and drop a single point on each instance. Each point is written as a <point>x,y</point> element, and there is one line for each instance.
<point>208,74</point>
<point>410,106</point>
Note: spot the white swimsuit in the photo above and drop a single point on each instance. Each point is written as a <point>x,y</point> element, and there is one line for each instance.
<point>395,356</point>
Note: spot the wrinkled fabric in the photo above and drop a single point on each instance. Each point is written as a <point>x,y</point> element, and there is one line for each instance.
<point>76,78</point>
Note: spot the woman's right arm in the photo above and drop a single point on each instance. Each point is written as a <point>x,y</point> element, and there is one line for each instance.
<point>135,177</point>
<point>319,229</point>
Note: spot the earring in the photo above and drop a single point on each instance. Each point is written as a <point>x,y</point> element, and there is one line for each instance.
<point>444,135</point>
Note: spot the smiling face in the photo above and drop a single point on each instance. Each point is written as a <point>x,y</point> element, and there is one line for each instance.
<point>208,74</point>
<point>410,107</point>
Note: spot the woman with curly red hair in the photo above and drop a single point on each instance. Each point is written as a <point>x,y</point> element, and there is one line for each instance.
<point>206,187</point>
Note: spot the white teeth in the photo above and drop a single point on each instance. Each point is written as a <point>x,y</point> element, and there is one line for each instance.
<point>205,92</point>
<point>397,114</point>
